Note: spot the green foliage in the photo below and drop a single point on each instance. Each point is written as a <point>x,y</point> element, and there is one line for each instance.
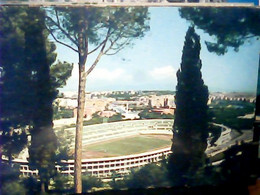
<point>191,116</point>
<point>227,113</point>
<point>229,27</point>
<point>158,92</point>
<point>32,185</point>
<point>42,153</point>
<point>89,29</point>
<point>117,184</point>
<point>25,53</point>
<point>13,188</point>
<point>11,183</point>
<point>89,182</point>
<point>123,24</point>
<point>216,132</point>
<point>13,143</point>
<point>43,139</point>
<point>56,109</point>
<point>62,182</point>
<point>209,175</point>
<point>165,92</point>
<point>240,165</point>
<point>64,144</point>
<point>149,114</point>
<point>15,112</point>
<point>124,96</point>
<point>60,72</point>
<point>62,113</point>
<point>8,173</point>
<point>115,118</point>
<point>96,119</point>
<point>150,175</point>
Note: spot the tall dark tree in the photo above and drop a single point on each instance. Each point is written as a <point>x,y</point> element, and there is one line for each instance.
<point>229,27</point>
<point>27,88</point>
<point>191,119</point>
<point>87,31</point>
<point>43,140</point>
<point>13,81</point>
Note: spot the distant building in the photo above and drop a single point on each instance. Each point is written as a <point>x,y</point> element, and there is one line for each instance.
<point>163,101</point>
<point>131,115</point>
<point>107,113</point>
<point>122,107</point>
<point>93,106</point>
<point>67,103</point>
<point>164,110</point>
<point>70,94</point>
<point>232,97</point>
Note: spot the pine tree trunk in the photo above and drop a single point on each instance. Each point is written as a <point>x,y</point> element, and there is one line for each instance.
<point>79,129</point>
<point>79,122</point>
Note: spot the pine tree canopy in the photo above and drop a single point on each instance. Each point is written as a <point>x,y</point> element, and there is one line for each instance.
<point>229,28</point>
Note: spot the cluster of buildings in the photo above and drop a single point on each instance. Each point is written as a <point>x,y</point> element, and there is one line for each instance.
<point>104,105</point>
<point>232,97</point>
<point>130,103</point>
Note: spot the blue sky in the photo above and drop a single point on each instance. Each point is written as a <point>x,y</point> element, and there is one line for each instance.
<point>151,63</point>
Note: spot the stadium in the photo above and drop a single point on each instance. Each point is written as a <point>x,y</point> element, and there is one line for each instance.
<point>117,147</point>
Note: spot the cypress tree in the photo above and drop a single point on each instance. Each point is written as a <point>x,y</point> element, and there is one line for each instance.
<point>43,139</point>
<point>191,119</point>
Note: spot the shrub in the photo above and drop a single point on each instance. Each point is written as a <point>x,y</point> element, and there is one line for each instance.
<point>89,182</point>
<point>13,188</point>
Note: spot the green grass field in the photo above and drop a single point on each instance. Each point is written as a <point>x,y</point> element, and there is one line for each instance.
<point>130,145</point>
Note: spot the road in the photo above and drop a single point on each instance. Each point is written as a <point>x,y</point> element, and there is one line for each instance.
<point>246,136</point>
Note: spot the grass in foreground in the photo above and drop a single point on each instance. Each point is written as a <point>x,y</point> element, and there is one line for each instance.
<point>130,145</point>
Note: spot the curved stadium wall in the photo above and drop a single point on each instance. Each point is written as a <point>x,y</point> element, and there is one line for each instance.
<point>105,167</point>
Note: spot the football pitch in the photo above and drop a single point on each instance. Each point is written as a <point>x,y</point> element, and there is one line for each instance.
<point>127,146</point>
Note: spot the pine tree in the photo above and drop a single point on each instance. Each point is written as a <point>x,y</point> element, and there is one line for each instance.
<point>29,82</point>
<point>191,119</point>
<point>87,30</point>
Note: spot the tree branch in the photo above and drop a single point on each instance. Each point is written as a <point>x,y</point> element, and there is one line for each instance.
<point>108,34</point>
<point>75,37</point>
<point>118,49</point>
<point>57,17</point>
<point>86,44</point>
<point>110,54</point>
<point>95,63</point>
<point>60,41</point>
<point>112,44</point>
<point>97,47</point>
<point>99,55</point>
<point>62,30</point>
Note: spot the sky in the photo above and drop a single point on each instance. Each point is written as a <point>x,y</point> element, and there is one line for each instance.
<point>151,63</point>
